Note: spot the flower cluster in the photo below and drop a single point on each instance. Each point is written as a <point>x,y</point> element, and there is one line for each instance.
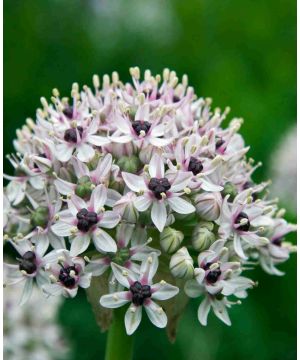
<point>132,182</point>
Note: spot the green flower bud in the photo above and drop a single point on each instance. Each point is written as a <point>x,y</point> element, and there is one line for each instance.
<point>170,240</point>
<point>121,256</point>
<point>129,163</point>
<point>40,217</point>
<point>181,264</point>
<point>203,236</point>
<point>229,189</point>
<point>84,187</point>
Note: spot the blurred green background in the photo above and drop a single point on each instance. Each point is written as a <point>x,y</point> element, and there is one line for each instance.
<point>240,53</point>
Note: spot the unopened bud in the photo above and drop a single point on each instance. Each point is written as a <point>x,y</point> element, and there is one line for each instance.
<point>84,187</point>
<point>170,240</point>
<point>203,236</point>
<point>129,164</point>
<point>229,189</point>
<point>208,205</point>
<point>40,217</point>
<point>181,264</point>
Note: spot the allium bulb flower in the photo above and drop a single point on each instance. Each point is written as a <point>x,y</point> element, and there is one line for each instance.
<point>121,183</point>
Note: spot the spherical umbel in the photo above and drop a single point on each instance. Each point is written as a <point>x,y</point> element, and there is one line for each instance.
<point>159,186</point>
<point>27,262</point>
<point>139,126</point>
<point>86,220</point>
<point>140,293</point>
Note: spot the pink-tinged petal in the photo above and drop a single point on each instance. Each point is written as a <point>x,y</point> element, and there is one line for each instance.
<point>148,269</point>
<point>208,186</point>
<point>134,182</point>
<point>98,140</point>
<point>125,276</point>
<point>159,215</point>
<point>93,127</point>
<point>85,152</point>
<point>156,166</point>
<point>98,198</point>
<point>199,275</point>
<point>141,252</point>
<point>133,318</point>
<point>104,242</point>
<point>110,219</point>
<point>80,168</point>
<point>121,139</point>
<point>70,293</point>
<point>122,124</point>
<point>62,228</point>
<point>79,244</point>
<point>160,142</point>
<point>142,203</point>
<point>180,205</point>
<point>112,197</point>
<point>57,242</point>
<point>103,168</point>
<point>98,266</point>
<point>156,314</point>
<point>181,181</point>
<point>193,289</point>
<point>238,246</point>
<point>64,187</point>
<point>124,234</point>
<point>75,204</point>
<point>143,112</point>
<point>203,311</point>
<point>63,152</point>
<point>163,291</point>
<point>113,301</point>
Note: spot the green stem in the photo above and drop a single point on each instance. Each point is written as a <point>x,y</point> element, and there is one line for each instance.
<point>118,344</point>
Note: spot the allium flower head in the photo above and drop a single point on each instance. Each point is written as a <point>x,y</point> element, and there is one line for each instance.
<point>125,182</point>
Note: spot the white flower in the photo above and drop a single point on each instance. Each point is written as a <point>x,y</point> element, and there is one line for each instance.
<point>67,275</point>
<point>85,220</point>
<point>141,293</point>
<point>160,192</point>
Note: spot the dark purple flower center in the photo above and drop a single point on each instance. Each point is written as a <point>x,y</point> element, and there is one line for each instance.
<point>213,276</point>
<point>42,156</point>
<point>71,134</point>
<point>277,241</point>
<point>68,112</point>
<point>140,293</point>
<point>243,227</point>
<point>86,220</point>
<point>248,185</point>
<point>139,126</point>
<point>159,186</point>
<point>195,166</point>
<point>219,143</point>
<point>27,262</point>
<point>65,277</point>
<point>176,99</point>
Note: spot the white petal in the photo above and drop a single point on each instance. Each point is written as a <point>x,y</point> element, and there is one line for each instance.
<point>134,182</point>
<point>76,204</point>
<point>180,205</point>
<point>160,142</point>
<point>98,266</point>
<point>62,228</point>
<point>27,291</point>
<point>133,318</point>
<point>57,242</point>
<point>238,246</point>
<point>122,124</point>
<point>41,242</point>
<point>121,139</point>
<point>63,152</point>
<point>85,152</point>
<point>104,242</point>
<point>79,244</point>
<point>98,198</point>
<point>142,203</point>
<point>109,220</point>
<point>52,289</point>
<point>163,291</point>
<point>159,215</point>
<point>85,281</point>
<point>98,140</point>
<point>124,276</point>
<point>148,268</point>
<point>64,187</point>
<point>156,166</point>
<point>208,186</point>
<point>203,311</point>
<point>156,314</point>
<point>221,312</point>
<point>115,300</point>
<point>181,181</point>
<point>112,197</point>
